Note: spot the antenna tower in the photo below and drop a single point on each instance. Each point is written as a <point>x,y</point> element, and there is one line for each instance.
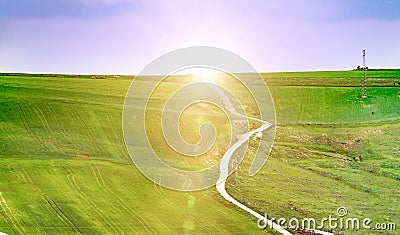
<point>364,78</point>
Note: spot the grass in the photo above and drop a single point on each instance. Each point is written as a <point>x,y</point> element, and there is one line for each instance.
<point>64,167</point>
<point>313,170</point>
<point>330,151</point>
<point>335,105</point>
<point>91,197</point>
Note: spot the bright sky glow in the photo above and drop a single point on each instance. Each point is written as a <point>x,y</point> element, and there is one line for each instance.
<point>122,36</point>
<point>204,74</point>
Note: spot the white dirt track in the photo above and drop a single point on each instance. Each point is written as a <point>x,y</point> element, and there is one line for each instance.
<point>224,165</point>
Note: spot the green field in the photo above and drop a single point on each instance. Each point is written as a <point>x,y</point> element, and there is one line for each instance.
<point>64,167</point>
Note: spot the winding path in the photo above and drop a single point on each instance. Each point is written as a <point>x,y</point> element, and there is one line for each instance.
<point>224,165</point>
<point>224,174</point>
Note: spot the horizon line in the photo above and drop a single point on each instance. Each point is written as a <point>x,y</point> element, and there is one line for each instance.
<point>124,74</point>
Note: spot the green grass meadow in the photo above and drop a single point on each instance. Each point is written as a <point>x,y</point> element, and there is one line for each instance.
<point>64,168</point>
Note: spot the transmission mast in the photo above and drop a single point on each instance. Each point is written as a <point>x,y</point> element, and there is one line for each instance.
<point>364,78</point>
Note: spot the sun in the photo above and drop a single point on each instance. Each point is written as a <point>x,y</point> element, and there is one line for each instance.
<point>204,74</point>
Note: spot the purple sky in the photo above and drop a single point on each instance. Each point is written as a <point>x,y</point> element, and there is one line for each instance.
<point>122,36</point>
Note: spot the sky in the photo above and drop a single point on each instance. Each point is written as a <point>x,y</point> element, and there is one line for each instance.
<point>122,36</point>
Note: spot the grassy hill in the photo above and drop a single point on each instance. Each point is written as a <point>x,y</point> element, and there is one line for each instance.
<point>332,149</point>
<point>64,167</point>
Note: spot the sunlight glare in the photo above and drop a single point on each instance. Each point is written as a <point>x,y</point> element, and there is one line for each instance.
<point>205,74</point>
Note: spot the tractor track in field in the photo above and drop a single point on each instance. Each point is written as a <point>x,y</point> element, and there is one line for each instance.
<point>10,215</point>
<point>39,113</point>
<point>24,121</point>
<point>110,224</point>
<point>160,191</point>
<point>121,202</point>
<point>62,216</point>
<point>23,176</point>
<point>20,176</point>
